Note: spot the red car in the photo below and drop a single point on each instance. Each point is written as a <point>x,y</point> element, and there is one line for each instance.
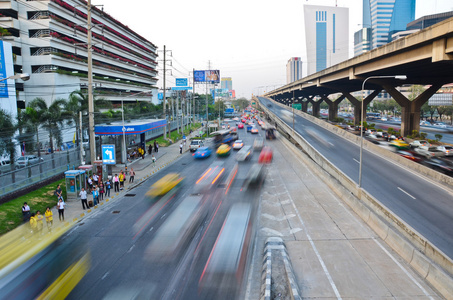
<point>240,126</point>
<point>243,120</point>
<point>265,156</point>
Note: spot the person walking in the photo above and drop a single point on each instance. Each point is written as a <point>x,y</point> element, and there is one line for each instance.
<point>101,191</point>
<point>153,159</point>
<point>131,175</point>
<point>26,212</point>
<point>60,207</point>
<point>108,186</point>
<point>180,148</point>
<point>116,182</point>
<point>49,218</point>
<point>83,198</point>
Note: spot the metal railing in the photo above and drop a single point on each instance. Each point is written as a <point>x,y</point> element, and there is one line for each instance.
<point>42,33</point>
<point>41,15</point>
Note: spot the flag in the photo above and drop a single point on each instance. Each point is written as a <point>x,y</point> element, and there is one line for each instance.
<point>73,140</point>
<point>23,149</point>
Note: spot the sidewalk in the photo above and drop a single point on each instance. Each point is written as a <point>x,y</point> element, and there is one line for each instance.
<point>143,170</point>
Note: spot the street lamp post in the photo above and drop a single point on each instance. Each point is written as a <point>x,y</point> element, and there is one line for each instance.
<point>400,77</point>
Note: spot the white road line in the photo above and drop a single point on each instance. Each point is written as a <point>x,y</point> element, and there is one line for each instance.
<point>321,261</point>
<point>406,193</point>
<point>356,161</point>
<point>404,270</point>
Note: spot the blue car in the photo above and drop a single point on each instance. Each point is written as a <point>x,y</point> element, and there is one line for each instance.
<point>202,152</point>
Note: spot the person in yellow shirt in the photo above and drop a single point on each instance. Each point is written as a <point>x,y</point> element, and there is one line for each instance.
<point>39,221</point>
<point>33,223</point>
<point>49,218</point>
<point>121,178</point>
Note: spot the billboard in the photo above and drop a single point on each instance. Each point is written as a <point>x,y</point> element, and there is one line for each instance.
<point>4,83</point>
<point>181,81</point>
<point>209,76</point>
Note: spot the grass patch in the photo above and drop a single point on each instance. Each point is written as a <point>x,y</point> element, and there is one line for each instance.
<point>11,212</point>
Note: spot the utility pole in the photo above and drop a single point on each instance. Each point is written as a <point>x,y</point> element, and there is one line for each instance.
<point>90,89</point>
<point>81,138</point>
<point>193,96</point>
<point>164,93</point>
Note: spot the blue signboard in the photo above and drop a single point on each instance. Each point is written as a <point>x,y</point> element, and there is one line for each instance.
<point>229,110</point>
<point>181,81</point>
<point>108,155</point>
<point>199,76</point>
<point>130,128</point>
<point>160,96</point>
<point>4,83</point>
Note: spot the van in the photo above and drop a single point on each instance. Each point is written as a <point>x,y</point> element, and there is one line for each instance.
<point>195,144</point>
<point>5,165</point>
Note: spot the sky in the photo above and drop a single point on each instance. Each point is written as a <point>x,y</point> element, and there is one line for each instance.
<point>247,40</point>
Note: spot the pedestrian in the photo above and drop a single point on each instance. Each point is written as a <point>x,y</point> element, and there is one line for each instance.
<point>155,147</point>
<point>83,198</point>
<point>116,182</point>
<point>49,218</point>
<point>26,212</point>
<point>95,179</point>
<point>153,159</point>
<point>180,148</point>
<point>121,179</point>
<point>58,192</point>
<point>108,186</point>
<point>90,182</point>
<point>60,207</point>
<point>33,223</point>
<point>150,149</point>
<point>131,175</point>
<point>39,221</point>
<point>101,191</point>
<point>95,194</point>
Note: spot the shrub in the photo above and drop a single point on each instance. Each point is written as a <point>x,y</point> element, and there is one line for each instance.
<point>423,135</point>
<point>438,137</point>
<point>415,133</point>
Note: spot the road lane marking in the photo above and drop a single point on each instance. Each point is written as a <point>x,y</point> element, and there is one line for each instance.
<point>403,269</point>
<point>406,193</point>
<point>356,161</point>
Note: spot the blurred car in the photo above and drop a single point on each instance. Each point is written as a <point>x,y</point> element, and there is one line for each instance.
<point>202,152</point>
<point>266,156</point>
<point>164,185</point>
<point>27,160</point>
<point>210,178</point>
<point>195,144</point>
<point>410,155</point>
<point>399,144</point>
<point>419,143</point>
<point>254,130</point>
<point>372,138</point>
<point>446,149</point>
<point>249,128</point>
<point>243,121</point>
<point>224,150</point>
<point>258,143</point>
<point>429,152</point>
<point>240,126</point>
<point>245,153</point>
<point>440,125</point>
<point>441,165</point>
<point>255,175</point>
<point>425,123</point>
<point>238,144</point>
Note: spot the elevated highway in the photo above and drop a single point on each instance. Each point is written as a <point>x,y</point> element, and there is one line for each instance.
<point>425,58</point>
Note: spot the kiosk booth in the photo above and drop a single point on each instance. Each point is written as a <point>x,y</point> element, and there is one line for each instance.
<point>101,170</point>
<point>75,180</point>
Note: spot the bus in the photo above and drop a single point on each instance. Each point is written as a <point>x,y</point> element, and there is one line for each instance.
<point>41,265</point>
<point>222,137</point>
<point>373,116</point>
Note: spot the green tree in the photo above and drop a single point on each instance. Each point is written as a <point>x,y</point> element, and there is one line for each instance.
<point>6,136</point>
<point>241,103</point>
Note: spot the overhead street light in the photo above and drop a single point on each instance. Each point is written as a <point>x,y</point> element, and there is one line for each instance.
<point>399,77</point>
<point>23,76</point>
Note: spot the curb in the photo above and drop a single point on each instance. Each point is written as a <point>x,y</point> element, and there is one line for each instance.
<point>276,243</point>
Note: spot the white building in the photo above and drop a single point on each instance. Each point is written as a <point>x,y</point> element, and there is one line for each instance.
<point>327,36</point>
<point>293,69</point>
<point>49,42</point>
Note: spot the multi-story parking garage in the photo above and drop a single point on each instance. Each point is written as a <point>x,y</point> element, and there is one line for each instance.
<point>49,41</point>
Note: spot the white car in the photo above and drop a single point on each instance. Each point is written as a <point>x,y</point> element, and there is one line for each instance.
<point>27,160</point>
<point>419,143</point>
<point>195,144</point>
<point>238,144</point>
<point>440,125</point>
<point>446,149</point>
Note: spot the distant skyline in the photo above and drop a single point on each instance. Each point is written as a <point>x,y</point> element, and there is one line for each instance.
<point>249,41</point>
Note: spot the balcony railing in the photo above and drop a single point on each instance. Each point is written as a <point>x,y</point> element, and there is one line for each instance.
<point>42,33</point>
<point>41,15</point>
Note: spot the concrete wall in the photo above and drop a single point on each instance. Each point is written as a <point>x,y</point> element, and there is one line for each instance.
<point>433,265</point>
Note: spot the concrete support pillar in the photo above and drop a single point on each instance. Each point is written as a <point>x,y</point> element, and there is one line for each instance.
<point>410,110</point>
<point>304,106</point>
<point>358,105</point>
<point>333,107</point>
<point>316,108</point>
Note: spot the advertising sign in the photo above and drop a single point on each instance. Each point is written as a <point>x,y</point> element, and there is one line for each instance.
<point>4,83</point>
<point>210,76</point>
<point>108,154</point>
<point>181,81</point>
<point>181,88</point>
<point>160,96</point>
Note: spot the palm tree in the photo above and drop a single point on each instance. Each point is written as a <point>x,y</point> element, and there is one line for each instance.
<point>6,136</point>
<point>29,121</point>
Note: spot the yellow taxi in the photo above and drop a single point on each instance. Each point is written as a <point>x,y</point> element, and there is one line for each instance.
<point>399,144</point>
<point>223,150</point>
<point>164,185</point>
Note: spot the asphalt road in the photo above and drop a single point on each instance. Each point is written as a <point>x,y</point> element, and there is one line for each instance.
<point>420,202</point>
<point>118,236</point>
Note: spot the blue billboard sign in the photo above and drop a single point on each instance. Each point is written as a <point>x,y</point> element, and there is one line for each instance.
<point>229,110</point>
<point>108,155</point>
<point>199,76</point>
<point>181,81</point>
<point>160,96</point>
<point>4,83</point>
<point>181,88</point>
<point>209,76</point>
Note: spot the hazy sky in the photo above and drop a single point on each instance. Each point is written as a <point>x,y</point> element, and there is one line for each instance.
<point>248,40</point>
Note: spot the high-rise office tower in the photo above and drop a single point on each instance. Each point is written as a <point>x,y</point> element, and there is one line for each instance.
<point>226,83</point>
<point>293,69</point>
<point>381,19</point>
<point>327,38</point>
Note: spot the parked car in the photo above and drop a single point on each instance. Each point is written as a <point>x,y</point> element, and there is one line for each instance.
<point>5,165</point>
<point>446,149</point>
<point>195,144</point>
<point>27,160</point>
<point>421,143</point>
<point>429,152</point>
